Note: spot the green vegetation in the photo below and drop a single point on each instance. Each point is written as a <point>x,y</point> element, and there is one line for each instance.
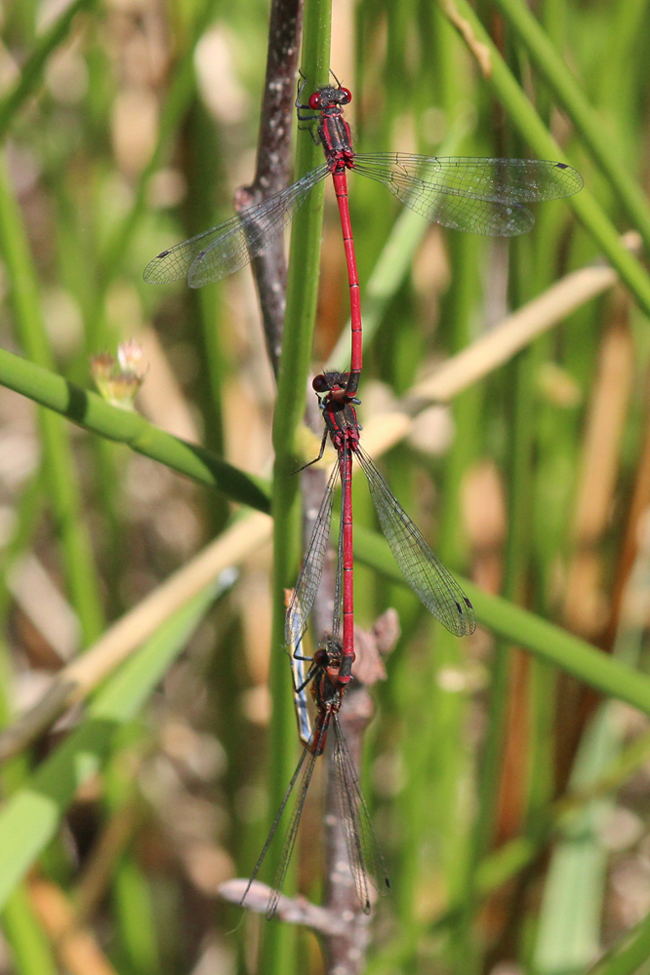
<point>507,772</point>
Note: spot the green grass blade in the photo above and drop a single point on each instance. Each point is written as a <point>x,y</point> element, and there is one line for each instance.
<point>302,294</point>
<point>31,72</point>
<point>32,954</point>
<point>90,411</point>
<point>531,128</point>
<point>59,464</point>
<point>632,957</point>
<point>586,122</point>
<point>548,642</point>
<point>30,818</point>
<point>569,924</point>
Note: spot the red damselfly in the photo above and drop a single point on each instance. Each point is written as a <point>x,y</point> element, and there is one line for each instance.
<point>365,859</point>
<point>426,575</point>
<point>475,195</point>
<point>312,569</point>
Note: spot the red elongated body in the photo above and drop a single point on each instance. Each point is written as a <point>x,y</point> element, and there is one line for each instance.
<point>336,139</point>
<point>426,575</point>
<point>343,429</point>
<point>473,195</point>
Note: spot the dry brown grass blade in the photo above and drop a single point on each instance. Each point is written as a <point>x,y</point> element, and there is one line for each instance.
<point>74,682</point>
<point>585,607</point>
<point>495,348</point>
<point>76,946</point>
<point>487,353</point>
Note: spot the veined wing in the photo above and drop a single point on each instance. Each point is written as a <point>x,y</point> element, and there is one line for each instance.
<point>292,831</point>
<point>312,568</point>
<point>302,671</point>
<point>364,854</point>
<point>425,574</point>
<point>289,841</point>
<point>475,195</point>
<point>215,253</point>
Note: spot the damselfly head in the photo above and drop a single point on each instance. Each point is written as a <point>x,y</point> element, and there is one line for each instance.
<point>334,650</point>
<point>327,96</point>
<point>332,391</point>
<point>321,657</point>
<point>329,382</point>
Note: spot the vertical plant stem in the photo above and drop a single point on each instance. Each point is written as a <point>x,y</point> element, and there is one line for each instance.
<point>274,162</point>
<point>450,710</point>
<point>177,99</point>
<point>31,951</point>
<point>32,70</point>
<point>132,895</point>
<point>58,460</point>
<point>586,122</point>
<point>523,115</point>
<point>302,293</point>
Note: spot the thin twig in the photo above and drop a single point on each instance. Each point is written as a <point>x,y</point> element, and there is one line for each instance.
<point>346,951</point>
<point>477,361</point>
<point>274,163</point>
<point>341,922</point>
<point>73,683</point>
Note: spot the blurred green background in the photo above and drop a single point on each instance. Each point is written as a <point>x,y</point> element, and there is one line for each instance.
<point>509,799</point>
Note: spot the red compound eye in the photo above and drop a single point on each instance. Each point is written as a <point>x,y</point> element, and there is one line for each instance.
<point>348,95</point>
<point>314,100</point>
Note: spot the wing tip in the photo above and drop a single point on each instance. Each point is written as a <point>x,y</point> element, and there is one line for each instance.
<point>466,623</point>
<point>151,273</point>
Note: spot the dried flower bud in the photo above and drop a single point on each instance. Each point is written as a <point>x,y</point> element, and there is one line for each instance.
<point>119,381</point>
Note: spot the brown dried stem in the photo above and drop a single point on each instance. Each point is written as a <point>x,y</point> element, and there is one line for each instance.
<point>274,162</point>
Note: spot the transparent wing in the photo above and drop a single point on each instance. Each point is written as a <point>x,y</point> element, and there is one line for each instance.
<point>302,670</point>
<point>475,195</point>
<point>364,854</point>
<point>301,676</point>
<point>289,841</point>
<point>425,574</point>
<point>312,568</point>
<point>215,253</point>
<point>292,831</point>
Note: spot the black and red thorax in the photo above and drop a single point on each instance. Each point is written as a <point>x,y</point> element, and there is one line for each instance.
<point>338,410</point>
<point>326,691</point>
<point>343,428</point>
<point>333,131</point>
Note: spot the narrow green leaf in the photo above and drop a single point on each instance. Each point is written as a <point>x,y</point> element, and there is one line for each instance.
<point>31,817</point>
<point>90,411</point>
